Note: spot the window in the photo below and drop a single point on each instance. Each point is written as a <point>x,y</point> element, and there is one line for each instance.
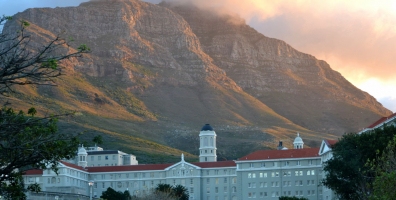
<point>191,181</point>
<point>92,158</point>
<point>310,162</point>
<point>287,163</point>
<point>225,180</point>
<point>234,189</point>
<point>208,190</point>
<point>99,157</point>
<point>249,175</point>
<point>225,189</point>
<point>216,172</point>
<point>253,175</point>
<point>313,182</point>
<point>217,181</point>
<point>263,164</point>
<point>207,181</point>
<point>298,162</point>
<point>308,172</point>
<point>216,190</point>
<point>151,174</point>
<point>249,185</point>
<point>234,180</point>
<point>313,172</point>
<point>191,190</point>
<point>106,157</point>
<point>114,157</point>
<point>251,165</point>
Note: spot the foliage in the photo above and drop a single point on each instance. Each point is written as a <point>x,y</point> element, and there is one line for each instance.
<point>347,173</point>
<point>178,192</point>
<point>111,194</point>
<point>292,198</point>
<point>385,167</point>
<point>28,142</point>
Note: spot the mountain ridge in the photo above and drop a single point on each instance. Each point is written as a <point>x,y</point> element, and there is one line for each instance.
<point>159,72</point>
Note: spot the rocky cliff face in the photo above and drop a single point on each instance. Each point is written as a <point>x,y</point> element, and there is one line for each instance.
<point>180,67</point>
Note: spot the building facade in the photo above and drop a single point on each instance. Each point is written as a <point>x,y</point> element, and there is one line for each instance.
<point>265,174</point>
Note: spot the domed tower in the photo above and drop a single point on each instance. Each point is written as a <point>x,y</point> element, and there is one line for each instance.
<point>82,156</point>
<point>298,142</point>
<point>207,145</point>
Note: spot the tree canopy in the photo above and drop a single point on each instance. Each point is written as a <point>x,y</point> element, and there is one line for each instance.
<point>26,141</point>
<point>111,194</point>
<point>349,173</point>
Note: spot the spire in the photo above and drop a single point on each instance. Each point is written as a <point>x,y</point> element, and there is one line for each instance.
<point>182,157</point>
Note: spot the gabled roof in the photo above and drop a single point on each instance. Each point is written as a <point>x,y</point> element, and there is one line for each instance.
<point>331,143</point>
<point>128,168</point>
<point>34,172</point>
<point>281,154</point>
<point>72,165</point>
<point>228,163</point>
<point>382,120</point>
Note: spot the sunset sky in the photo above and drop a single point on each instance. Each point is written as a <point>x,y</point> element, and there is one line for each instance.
<point>356,37</point>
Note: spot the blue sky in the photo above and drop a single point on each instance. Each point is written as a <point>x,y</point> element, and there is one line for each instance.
<point>357,38</point>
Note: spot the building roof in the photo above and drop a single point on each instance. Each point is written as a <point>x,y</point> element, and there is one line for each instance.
<point>103,152</point>
<point>207,127</point>
<point>331,143</point>
<point>228,163</point>
<point>382,120</point>
<point>128,168</point>
<point>281,154</point>
<point>72,165</point>
<point>34,172</point>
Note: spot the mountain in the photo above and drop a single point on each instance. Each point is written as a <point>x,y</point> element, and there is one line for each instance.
<point>157,73</point>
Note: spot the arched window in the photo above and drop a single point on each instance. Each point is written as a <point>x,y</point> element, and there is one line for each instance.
<point>205,141</point>
<point>211,142</point>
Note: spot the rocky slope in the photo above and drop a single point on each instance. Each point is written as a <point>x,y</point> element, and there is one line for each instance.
<point>159,72</point>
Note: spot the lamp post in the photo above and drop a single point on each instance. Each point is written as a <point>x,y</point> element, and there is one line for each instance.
<point>90,183</point>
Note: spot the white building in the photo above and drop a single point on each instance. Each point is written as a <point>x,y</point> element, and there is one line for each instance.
<point>265,174</point>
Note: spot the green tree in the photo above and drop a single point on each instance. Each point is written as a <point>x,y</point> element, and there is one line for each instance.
<point>178,192</point>
<point>111,194</point>
<point>347,173</point>
<point>385,168</point>
<point>26,141</point>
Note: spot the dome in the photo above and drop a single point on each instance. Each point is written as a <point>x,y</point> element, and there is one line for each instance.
<point>207,127</point>
<point>82,150</point>
<point>298,139</point>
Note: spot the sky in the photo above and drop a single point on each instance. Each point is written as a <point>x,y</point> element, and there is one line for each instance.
<point>356,37</point>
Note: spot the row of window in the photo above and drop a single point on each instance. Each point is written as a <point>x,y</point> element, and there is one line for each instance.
<point>225,190</point>
<point>276,164</point>
<point>276,184</point>
<point>285,173</point>
<point>220,172</point>
<point>225,180</point>
<point>105,157</point>
<point>285,193</point>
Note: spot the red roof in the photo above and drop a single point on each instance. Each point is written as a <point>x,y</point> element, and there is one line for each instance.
<point>229,163</point>
<point>34,172</point>
<point>331,143</point>
<point>382,120</point>
<point>278,154</point>
<point>72,165</point>
<point>128,168</point>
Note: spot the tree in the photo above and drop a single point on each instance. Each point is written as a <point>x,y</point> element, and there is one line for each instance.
<point>347,173</point>
<point>178,192</point>
<point>385,168</point>
<point>26,141</point>
<point>111,194</point>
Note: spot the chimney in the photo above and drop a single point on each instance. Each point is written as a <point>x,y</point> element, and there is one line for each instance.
<point>280,146</point>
